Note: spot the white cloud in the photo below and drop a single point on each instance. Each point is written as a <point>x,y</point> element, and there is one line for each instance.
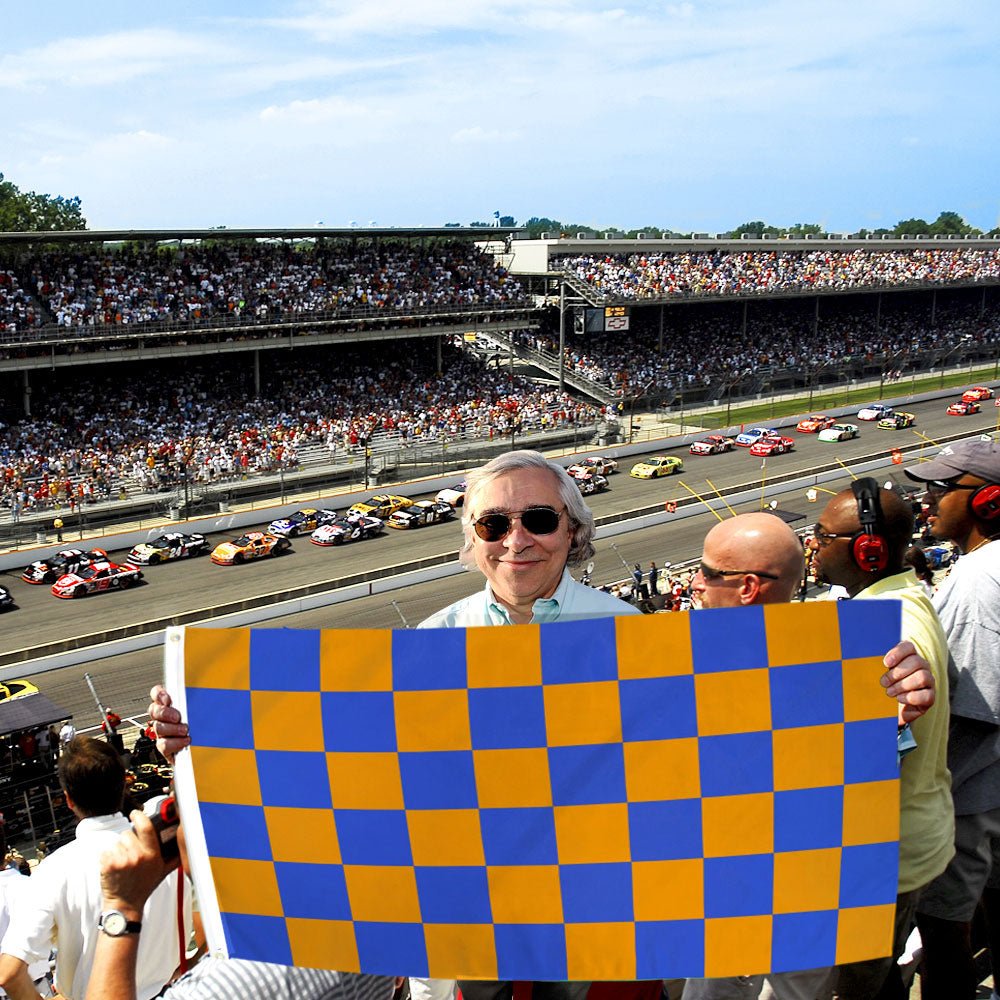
<point>313,112</point>
<point>104,60</point>
<point>478,134</point>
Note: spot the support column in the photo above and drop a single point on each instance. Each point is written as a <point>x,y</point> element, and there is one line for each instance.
<point>256,372</point>
<point>934,307</point>
<point>437,355</point>
<point>562,335</point>
<point>878,312</point>
<point>26,395</point>
<point>660,344</point>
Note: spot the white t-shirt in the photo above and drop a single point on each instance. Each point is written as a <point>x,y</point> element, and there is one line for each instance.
<point>13,886</point>
<point>62,905</point>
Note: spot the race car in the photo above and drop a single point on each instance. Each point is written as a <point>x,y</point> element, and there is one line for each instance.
<point>746,438</point>
<point>96,577</point>
<point>814,424</point>
<point>452,495</point>
<point>63,562</point>
<point>659,465</point>
<point>252,545</point>
<point>772,446</point>
<point>977,394</point>
<point>897,420</point>
<point>714,444</point>
<point>593,482</point>
<point>16,689</point>
<point>301,522</point>
<point>347,529</point>
<point>172,545</point>
<point>601,465</point>
<point>874,411</point>
<point>962,408</point>
<point>421,513</point>
<point>838,432</point>
<point>380,506</point>
<point>6,601</point>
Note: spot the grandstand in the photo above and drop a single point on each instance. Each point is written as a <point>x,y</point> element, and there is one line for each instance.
<point>175,364</point>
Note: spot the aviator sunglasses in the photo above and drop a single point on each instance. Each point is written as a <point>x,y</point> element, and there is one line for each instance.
<point>536,520</point>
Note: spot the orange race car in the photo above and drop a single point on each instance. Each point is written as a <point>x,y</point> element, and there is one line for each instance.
<point>814,424</point>
<point>252,545</point>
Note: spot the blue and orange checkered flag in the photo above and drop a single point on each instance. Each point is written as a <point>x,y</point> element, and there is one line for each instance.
<point>704,794</point>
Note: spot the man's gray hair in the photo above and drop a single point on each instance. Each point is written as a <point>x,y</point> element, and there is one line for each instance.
<point>580,515</point>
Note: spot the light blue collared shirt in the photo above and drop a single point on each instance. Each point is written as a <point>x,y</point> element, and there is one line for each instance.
<point>572,601</point>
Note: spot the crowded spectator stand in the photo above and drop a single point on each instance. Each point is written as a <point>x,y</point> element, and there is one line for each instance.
<point>31,802</point>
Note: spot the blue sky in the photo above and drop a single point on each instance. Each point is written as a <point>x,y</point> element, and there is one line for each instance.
<point>692,115</point>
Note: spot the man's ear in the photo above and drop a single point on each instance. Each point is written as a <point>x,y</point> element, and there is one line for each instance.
<point>750,590</point>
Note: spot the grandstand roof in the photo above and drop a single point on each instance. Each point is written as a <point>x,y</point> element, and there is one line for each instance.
<point>30,713</point>
<point>533,256</point>
<point>306,232</point>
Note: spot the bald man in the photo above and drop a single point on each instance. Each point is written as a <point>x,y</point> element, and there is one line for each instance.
<point>758,559</point>
<point>749,559</point>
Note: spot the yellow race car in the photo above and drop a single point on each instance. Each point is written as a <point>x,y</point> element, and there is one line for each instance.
<point>16,689</point>
<point>381,505</point>
<point>657,466</point>
<point>252,545</point>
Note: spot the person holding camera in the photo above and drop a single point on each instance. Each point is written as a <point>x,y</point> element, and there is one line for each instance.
<point>62,905</point>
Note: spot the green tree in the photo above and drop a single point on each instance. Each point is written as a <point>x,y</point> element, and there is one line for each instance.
<point>912,227</point>
<point>27,211</point>
<point>537,226</point>
<point>952,224</point>
<point>801,229</point>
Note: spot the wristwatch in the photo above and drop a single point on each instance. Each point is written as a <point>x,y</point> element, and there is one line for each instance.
<point>114,923</point>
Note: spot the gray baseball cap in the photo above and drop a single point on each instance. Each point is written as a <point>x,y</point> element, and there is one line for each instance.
<point>977,457</point>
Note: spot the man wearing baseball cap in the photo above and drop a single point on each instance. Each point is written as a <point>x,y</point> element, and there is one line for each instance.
<point>963,499</point>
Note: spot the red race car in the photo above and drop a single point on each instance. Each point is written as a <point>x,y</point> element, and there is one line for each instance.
<point>977,394</point>
<point>95,578</point>
<point>772,446</point>
<point>962,408</point>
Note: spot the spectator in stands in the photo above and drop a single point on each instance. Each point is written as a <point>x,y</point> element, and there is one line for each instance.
<point>13,885</point>
<point>963,496</point>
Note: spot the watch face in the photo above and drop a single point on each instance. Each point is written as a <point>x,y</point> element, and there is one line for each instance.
<point>113,923</point>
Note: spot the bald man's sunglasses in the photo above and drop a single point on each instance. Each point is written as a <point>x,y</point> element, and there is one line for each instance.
<point>535,520</point>
<point>711,573</point>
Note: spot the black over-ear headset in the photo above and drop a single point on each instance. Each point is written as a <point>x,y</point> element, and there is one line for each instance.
<point>985,502</point>
<point>870,549</point>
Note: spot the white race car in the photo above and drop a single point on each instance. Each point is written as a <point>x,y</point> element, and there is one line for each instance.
<point>839,432</point>
<point>591,483</point>
<point>301,522</point>
<point>600,465</point>
<point>753,434</point>
<point>875,411</point>
<point>454,496</point>
<point>172,545</point>
<point>347,529</point>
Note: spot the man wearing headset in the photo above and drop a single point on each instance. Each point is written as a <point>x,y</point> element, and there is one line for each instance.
<point>963,501</point>
<point>859,543</point>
